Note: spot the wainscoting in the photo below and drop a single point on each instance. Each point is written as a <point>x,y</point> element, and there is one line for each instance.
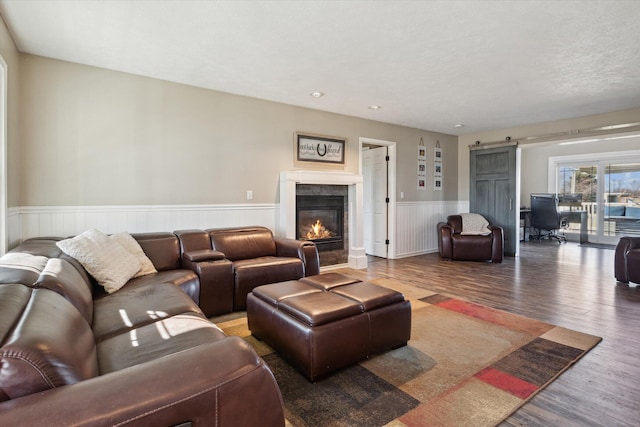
<point>416,225</point>
<point>72,220</point>
<point>415,221</point>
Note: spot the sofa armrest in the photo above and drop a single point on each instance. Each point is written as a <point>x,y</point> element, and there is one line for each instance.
<point>217,383</point>
<point>203,255</point>
<point>216,280</point>
<point>625,244</point>
<point>445,242</point>
<point>497,243</point>
<point>304,250</point>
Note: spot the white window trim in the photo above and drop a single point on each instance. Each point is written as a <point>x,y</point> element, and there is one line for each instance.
<point>620,156</point>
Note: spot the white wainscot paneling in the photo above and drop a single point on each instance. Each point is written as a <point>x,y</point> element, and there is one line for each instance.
<point>417,222</point>
<point>72,220</point>
<point>13,227</point>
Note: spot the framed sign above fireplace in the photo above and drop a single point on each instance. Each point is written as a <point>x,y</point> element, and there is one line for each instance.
<point>328,150</point>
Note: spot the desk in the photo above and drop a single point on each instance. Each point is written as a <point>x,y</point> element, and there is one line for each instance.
<point>525,223</point>
<point>571,216</point>
<point>581,217</point>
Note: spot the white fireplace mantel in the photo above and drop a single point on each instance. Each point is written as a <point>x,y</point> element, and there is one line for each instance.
<point>287,211</point>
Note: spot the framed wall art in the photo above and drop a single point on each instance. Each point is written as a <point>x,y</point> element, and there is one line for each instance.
<point>437,167</point>
<point>320,149</point>
<point>422,166</point>
<point>437,154</point>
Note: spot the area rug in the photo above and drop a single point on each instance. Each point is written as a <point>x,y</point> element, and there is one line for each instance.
<point>465,365</point>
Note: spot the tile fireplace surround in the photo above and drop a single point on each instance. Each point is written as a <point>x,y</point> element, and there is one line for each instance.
<point>287,212</point>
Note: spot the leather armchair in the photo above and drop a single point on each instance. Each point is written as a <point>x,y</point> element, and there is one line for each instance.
<point>455,246</point>
<point>627,260</point>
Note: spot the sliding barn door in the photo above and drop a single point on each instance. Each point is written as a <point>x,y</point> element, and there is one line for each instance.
<point>493,190</point>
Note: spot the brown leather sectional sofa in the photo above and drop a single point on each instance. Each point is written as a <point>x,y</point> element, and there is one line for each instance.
<point>145,355</point>
<point>233,261</point>
<point>627,260</point>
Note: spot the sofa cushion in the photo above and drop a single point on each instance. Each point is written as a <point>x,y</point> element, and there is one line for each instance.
<point>18,267</point>
<point>46,343</point>
<point>46,247</point>
<point>41,246</point>
<point>369,295</point>
<point>130,244</point>
<point>163,249</point>
<point>471,248</point>
<point>614,210</point>
<point>105,259</point>
<point>328,281</point>
<point>316,309</point>
<point>632,212</point>
<point>161,338</point>
<point>61,277</point>
<point>243,243</point>
<point>276,292</point>
<point>186,280</point>
<point>135,306</point>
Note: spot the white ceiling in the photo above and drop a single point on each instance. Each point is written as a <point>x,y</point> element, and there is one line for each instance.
<point>429,64</point>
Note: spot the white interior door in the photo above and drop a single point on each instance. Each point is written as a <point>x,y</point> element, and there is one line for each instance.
<point>374,172</point>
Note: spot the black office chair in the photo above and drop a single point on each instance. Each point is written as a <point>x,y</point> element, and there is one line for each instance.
<point>546,219</point>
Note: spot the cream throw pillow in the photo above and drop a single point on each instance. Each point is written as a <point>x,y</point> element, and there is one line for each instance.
<point>103,258</point>
<point>474,224</point>
<point>132,245</point>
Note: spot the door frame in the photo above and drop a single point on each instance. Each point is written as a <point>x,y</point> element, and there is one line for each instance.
<point>4,231</point>
<point>391,179</point>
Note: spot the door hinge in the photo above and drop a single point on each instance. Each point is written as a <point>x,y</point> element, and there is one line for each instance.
<point>387,158</point>
<point>386,200</point>
<point>386,242</point>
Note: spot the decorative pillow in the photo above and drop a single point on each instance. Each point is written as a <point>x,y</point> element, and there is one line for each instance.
<point>132,245</point>
<point>474,224</point>
<point>103,258</point>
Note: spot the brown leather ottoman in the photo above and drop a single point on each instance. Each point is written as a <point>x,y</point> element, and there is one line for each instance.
<point>326,322</point>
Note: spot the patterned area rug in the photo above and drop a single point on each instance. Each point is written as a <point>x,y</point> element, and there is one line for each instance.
<point>465,364</point>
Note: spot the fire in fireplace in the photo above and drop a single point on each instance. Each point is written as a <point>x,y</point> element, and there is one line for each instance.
<point>321,220</point>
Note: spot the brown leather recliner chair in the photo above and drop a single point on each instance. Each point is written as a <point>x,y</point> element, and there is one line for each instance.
<point>455,246</point>
<point>627,260</point>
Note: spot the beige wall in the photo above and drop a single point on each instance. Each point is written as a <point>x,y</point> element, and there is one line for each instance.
<point>98,137</point>
<point>535,159</point>
<point>10,54</point>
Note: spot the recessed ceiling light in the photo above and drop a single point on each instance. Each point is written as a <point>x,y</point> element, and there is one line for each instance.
<point>317,94</point>
<point>375,107</point>
<point>458,125</point>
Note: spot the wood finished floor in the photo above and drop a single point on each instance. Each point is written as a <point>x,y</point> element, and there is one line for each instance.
<point>565,285</point>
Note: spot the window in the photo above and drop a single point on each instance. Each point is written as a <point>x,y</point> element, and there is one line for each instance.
<point>607,186</point>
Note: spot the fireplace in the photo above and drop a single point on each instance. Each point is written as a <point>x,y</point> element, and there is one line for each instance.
<point>334,183</point>
<point>320,219</point>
